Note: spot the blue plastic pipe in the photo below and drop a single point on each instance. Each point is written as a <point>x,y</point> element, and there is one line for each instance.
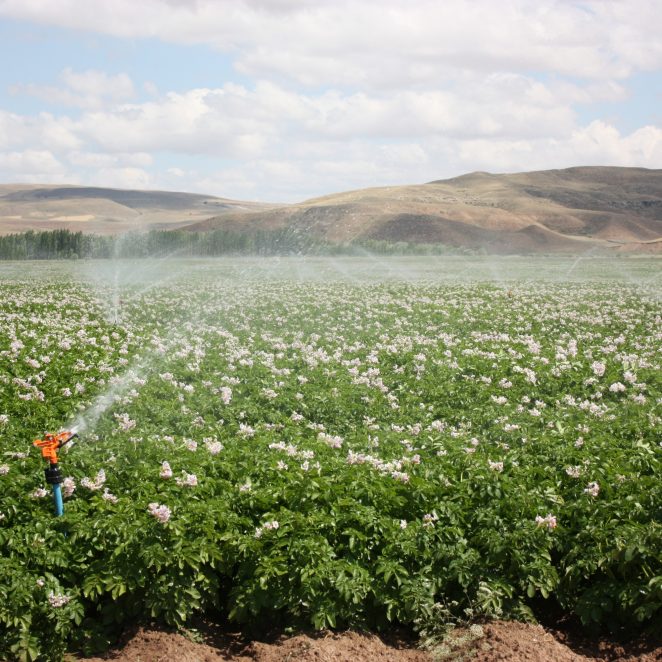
<point>57,499</point>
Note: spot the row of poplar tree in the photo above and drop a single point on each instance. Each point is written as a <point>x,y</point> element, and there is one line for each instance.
<point>64,244</point>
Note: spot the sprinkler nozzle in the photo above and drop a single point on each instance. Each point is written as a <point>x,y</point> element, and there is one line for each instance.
<point>52,442</point>
<point>49,446</point>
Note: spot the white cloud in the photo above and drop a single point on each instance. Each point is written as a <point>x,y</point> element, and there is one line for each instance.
<point>283,146</point>
<point>236,122</point>
<point>131,178</point>
<point>219,122</point>
<point>32,166</point>
<point>104,160</point>
<point>598,143</point>
<point>87,89</point>
<point>376,44</point>
<point>399,92</point>
<point>315,168</point>
<point>43,129</point>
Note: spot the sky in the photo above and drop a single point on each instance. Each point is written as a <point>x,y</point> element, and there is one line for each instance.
<point>284,100</point>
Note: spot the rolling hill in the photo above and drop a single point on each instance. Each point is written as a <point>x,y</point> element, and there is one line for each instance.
<point>575,210</point>
<point>571,210</point>
<point>106,210</point>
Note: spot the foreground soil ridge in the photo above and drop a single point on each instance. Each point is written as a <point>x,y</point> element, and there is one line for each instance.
<point>503,641</point>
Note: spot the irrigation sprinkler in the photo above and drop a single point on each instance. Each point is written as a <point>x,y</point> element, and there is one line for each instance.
<point>49,445</point>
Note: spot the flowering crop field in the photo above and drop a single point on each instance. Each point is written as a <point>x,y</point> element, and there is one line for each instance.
<point>329,443</point>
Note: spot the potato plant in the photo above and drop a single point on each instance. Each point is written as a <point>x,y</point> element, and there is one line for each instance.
<point>340,453</point>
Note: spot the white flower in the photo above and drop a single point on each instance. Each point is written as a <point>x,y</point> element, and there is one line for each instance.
<point>400,476</point>
<point>95,484</point>
<point>226,394</point>
<point>160,512</point>
<point>593,489</point>
<point>549,521</point>
<point>125,422</point>
<point>108,496</point>
<point>214,447</point>
<point>267,526</point>
<point>188,480</point>
<point>629,377</point>
<point>68,487</point>
<point>429,519</point>
<point>57,600</point>
<point>4,469</point>
<point>166,471</point>
<point>598,368</point>
<point>39,493</point>
<point>495,466</point>
<point>530,375</point>
<point>330,440</point>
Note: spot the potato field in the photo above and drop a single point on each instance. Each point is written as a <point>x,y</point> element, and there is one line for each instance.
<point>329,443</point>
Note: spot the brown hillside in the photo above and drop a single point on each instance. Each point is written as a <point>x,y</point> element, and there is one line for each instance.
<point>104,210</point>
<point>572,210</point>
<point>601,209</point>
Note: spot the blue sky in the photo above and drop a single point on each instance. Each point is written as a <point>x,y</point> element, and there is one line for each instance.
<point>282,100</point>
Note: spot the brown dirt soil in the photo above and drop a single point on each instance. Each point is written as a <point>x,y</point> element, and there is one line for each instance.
<point>493,642</point>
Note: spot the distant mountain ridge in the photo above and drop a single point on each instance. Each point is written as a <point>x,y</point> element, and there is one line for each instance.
<point>574,210</point>
<point>133,199</point>
<point>106,210</point>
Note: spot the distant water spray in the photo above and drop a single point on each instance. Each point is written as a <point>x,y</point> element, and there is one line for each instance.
<point>86,421</point>
<point>115,299</point>
<point>573,265</point>
<point>120,385</point>
<point>145,363</point>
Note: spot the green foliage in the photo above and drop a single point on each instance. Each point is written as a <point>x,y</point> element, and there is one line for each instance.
<point>67,245</point>
<point>341,455</point>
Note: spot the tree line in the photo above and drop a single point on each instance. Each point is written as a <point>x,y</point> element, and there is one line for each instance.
<point>67,245</point>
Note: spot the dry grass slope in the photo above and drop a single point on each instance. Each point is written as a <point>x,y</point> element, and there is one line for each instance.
<point>105,210</point>
<point>594,209</point>
<point>575,210</point>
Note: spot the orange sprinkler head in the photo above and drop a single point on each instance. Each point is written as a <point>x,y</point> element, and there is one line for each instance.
<point>52,442</point>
